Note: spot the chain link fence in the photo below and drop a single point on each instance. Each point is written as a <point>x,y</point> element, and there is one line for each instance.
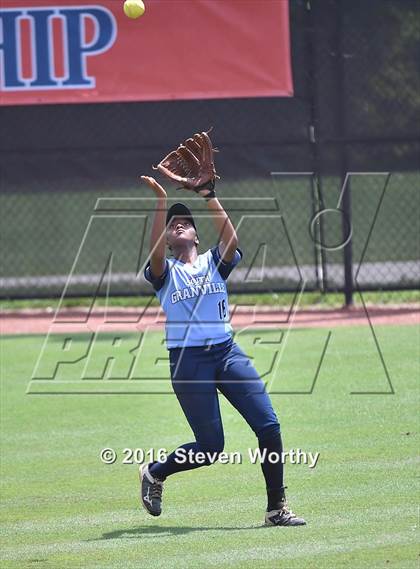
<point>73,213</point>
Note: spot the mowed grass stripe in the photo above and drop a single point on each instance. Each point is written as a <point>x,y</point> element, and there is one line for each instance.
<point>269,552</point>
<point>323,518</point>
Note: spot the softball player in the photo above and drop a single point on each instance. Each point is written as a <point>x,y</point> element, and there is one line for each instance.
<point>204,359</point>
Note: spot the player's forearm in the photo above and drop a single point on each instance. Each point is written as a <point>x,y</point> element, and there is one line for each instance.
<point>226,231</point>
<point>158,238</point>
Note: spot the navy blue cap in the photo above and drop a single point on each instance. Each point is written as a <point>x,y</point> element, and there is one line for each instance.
<point>180,210</point>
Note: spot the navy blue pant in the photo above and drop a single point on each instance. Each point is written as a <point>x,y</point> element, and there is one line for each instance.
<point>197,375</point>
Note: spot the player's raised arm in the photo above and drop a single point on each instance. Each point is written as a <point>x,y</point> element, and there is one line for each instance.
<point>192,166</point>
<point>228,240</point>
<point>157,237</point>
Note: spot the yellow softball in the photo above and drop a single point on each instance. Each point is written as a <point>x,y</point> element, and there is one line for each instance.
<point>134,8</point>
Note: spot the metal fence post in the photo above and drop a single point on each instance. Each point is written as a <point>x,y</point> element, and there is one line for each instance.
<point>341,125</point>
<point>316,181</point>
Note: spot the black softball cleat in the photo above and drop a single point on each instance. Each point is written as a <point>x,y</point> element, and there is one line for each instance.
<point>283,517</point>
<point>150,491</point>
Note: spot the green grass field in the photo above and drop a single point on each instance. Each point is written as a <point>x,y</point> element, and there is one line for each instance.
<point>283,300</point>
<point>63,508</point>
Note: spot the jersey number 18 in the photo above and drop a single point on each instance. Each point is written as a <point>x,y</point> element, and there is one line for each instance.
<point>221,305</point>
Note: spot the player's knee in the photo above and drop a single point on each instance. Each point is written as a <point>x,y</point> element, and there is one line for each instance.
<point>215,446</point>
<point>268,431</point>
<point>212,449</point>
<point>218,446</point>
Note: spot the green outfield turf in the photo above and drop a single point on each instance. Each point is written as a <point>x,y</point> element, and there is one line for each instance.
<point>283,300</point>
<point>63,508</point>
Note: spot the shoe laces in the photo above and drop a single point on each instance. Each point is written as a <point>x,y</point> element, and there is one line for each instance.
<point>157,488</point>
<point>285,511</point>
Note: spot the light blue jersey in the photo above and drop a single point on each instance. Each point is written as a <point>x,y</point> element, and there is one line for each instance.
<point>195,299</point>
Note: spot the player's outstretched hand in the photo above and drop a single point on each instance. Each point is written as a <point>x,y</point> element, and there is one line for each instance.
<point>156,187</point>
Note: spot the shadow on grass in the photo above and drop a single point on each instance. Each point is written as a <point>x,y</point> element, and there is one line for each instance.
<point>160,530</point>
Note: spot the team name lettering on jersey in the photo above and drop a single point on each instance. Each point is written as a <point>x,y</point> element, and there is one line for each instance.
<point>198,280</point>
<point>192,291</point>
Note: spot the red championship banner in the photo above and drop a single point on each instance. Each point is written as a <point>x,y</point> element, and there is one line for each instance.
<point>80,51</point>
